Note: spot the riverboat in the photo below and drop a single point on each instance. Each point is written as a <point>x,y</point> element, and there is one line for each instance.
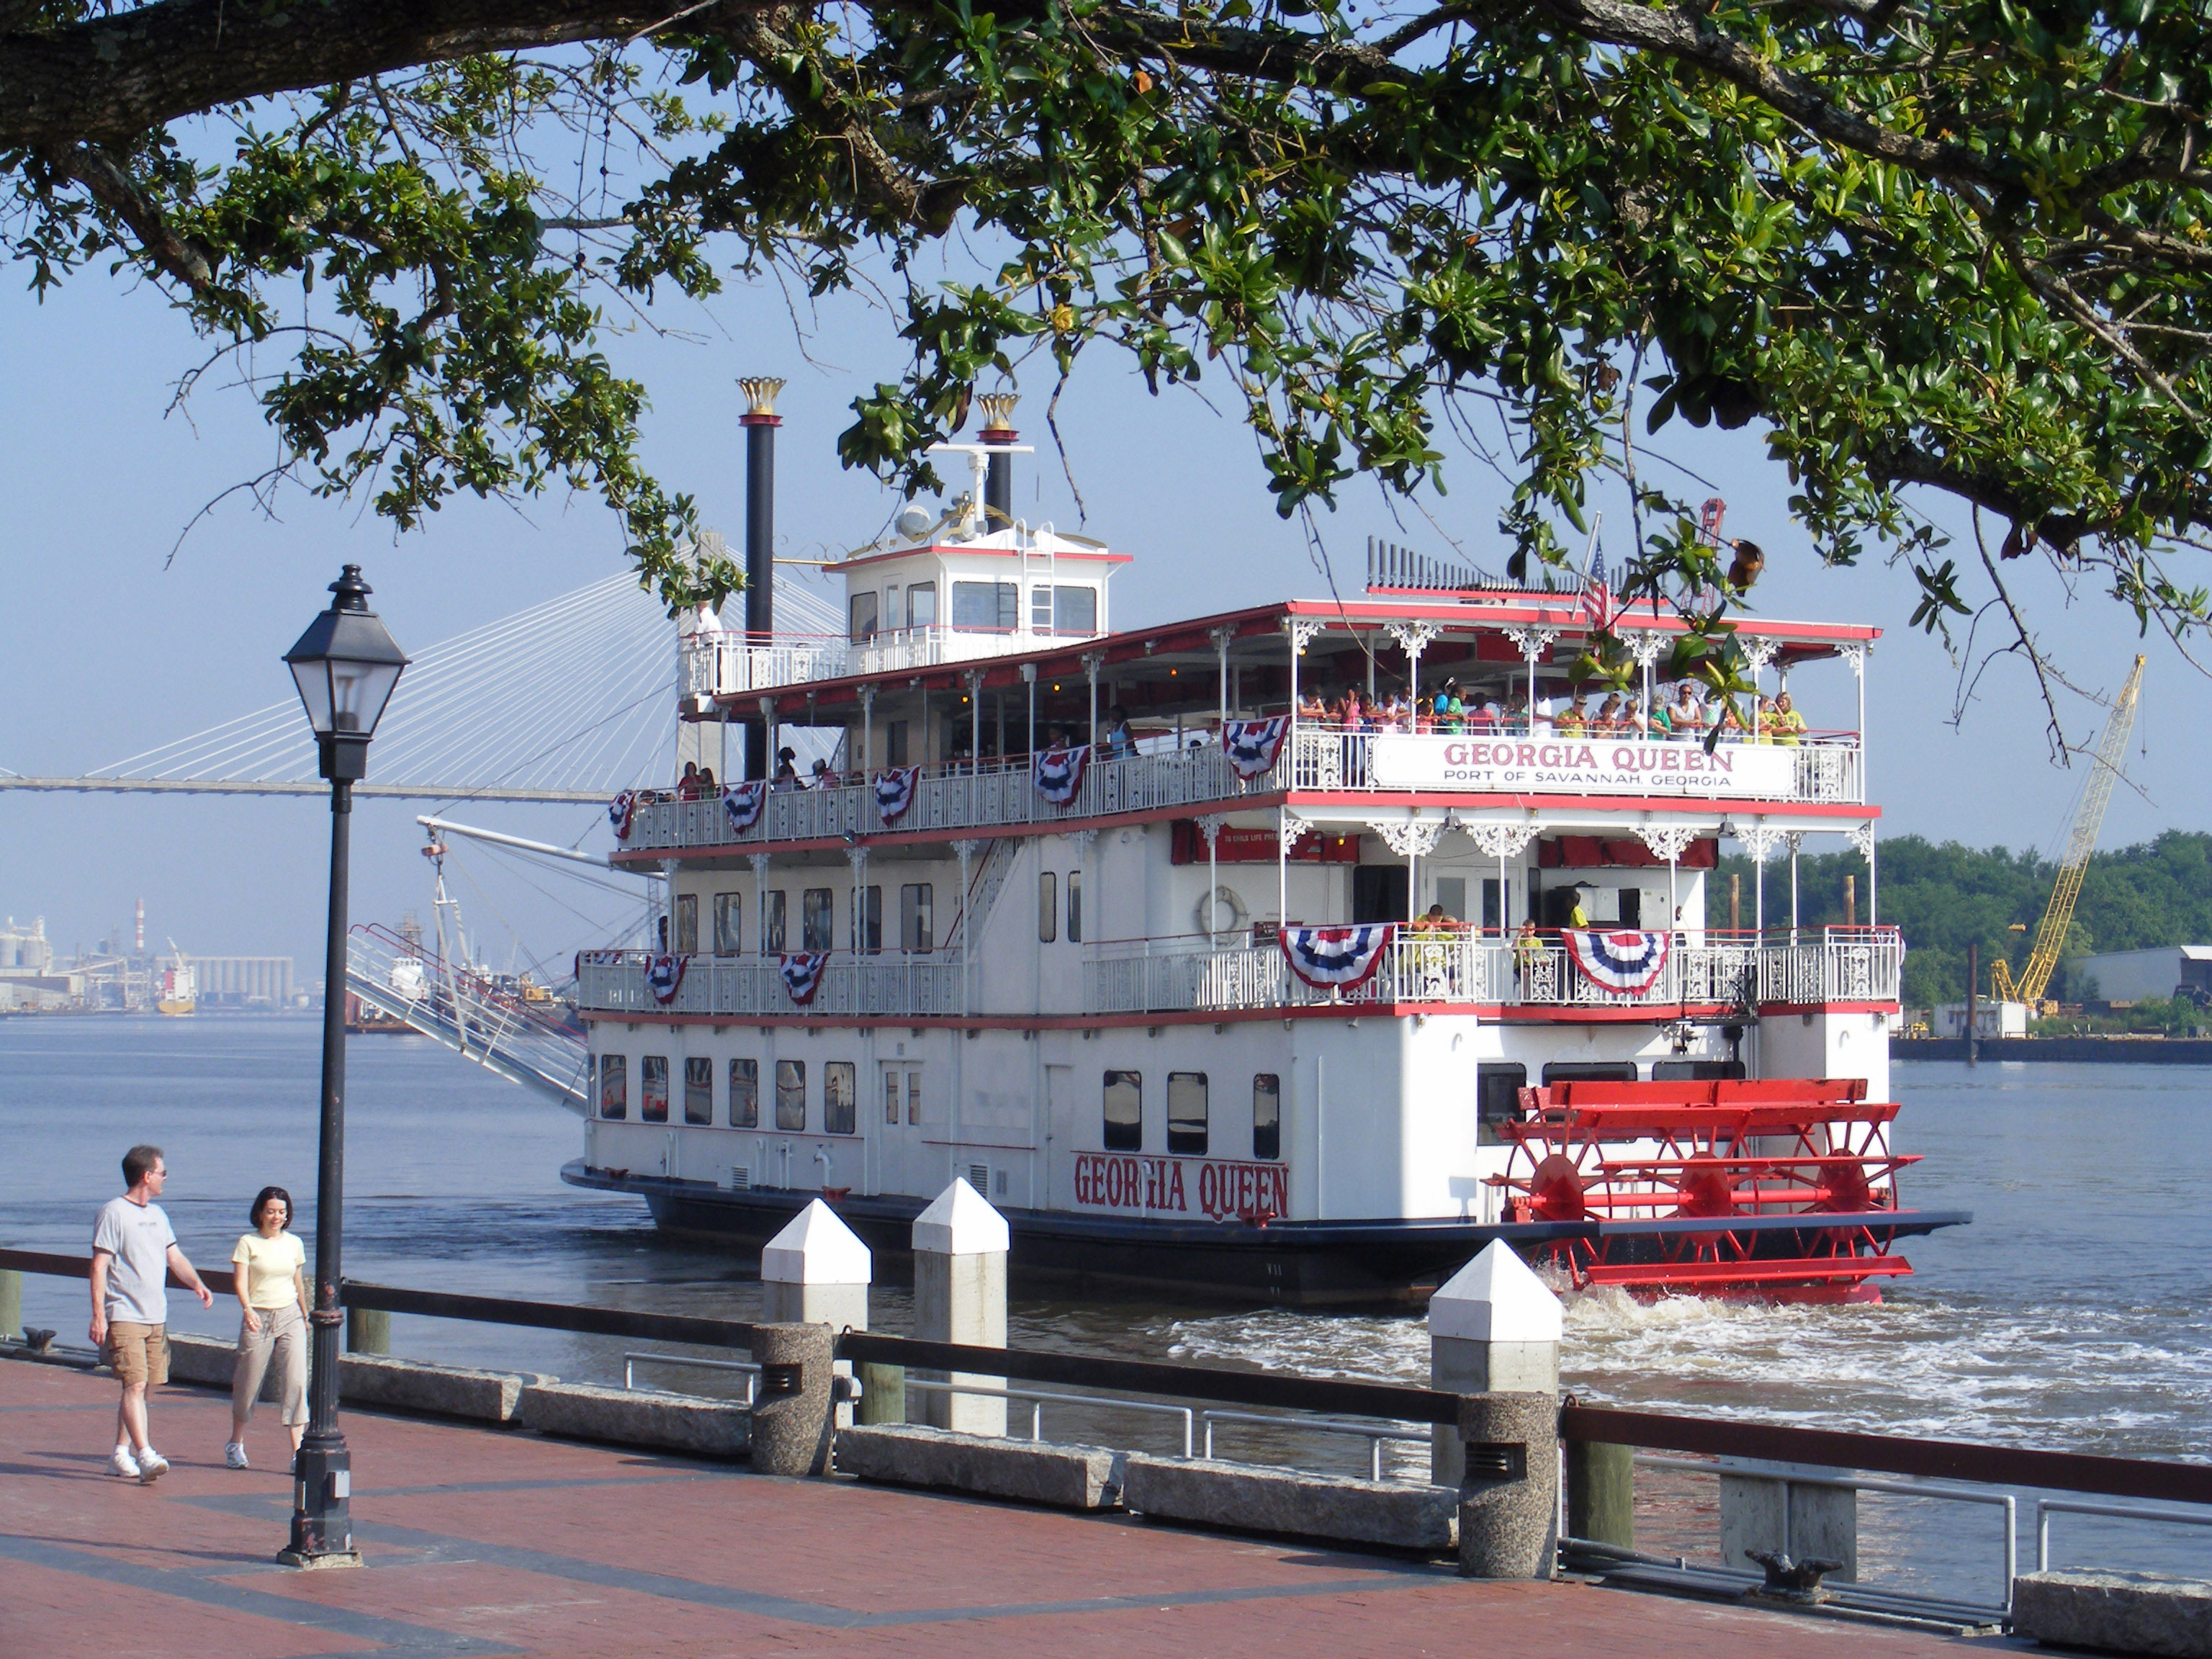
<point>1105,921</point>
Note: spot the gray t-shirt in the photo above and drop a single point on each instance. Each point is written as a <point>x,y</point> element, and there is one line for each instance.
<point>138,1236</point>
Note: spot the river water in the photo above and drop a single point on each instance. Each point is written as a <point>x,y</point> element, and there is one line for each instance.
<point>2075,1313</point>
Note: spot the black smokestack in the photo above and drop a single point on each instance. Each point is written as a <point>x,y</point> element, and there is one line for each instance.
<point>999,482</point>
<point>760,422</point>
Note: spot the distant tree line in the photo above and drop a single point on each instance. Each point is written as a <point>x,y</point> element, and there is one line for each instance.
<point>1943,897</point>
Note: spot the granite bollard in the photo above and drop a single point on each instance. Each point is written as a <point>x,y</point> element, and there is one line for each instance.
<point>1509,1496</point>
<point>790,1415</point>
<point>960,1296</point>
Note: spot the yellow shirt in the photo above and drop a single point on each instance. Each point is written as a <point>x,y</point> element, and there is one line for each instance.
<point>269,1265</point>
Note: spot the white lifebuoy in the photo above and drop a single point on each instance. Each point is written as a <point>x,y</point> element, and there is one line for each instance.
<point>1232,918</point>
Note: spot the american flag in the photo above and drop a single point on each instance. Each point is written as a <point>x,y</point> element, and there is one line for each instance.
<point>1599,605</point>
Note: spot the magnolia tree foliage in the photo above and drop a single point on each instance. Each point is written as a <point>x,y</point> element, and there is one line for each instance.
<point>1962,247</point>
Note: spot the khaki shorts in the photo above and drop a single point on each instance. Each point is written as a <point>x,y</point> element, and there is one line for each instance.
<point>138,1353</point>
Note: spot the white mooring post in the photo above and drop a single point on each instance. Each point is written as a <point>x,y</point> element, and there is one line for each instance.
<point>816,1272</point>
<point>1494,1328</point>
<point>960,1296</point>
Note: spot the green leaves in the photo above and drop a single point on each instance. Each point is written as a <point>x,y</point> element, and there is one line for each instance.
<point>1968,251</point>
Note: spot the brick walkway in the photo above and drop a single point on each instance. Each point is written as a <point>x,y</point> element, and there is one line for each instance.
<point>480,1542</point>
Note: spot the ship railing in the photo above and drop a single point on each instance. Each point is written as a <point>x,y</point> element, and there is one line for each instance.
<point>731,663</point>
<point>893,983</point>
<point>1826,764</point>
<point>956,795</point>
<point>1148,975</point>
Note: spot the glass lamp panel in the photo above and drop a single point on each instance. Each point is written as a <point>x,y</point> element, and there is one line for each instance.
<point>314,684</point>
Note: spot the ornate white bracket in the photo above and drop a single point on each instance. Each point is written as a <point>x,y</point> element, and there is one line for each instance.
<point>1532,642</point>
<point>1861,836</point>
<point>759,862</point>
<point>1797,840</point>
<point>1092,662</point>
<point>1409,838</point>
<point>858,858</point>
<point>1498,840</point>
<point>868,699</point>
<point>1856,656</point>
<point>1666,840</point>
<point>1759,653</point>
<point>1414,637</point>
<point>1302,633</point>
<point>975,678</point>
<point>1210,825</point>
<point>1646,645</point>
<point>1222,637</point>
<point>1083,839</point>
<point>1758,840</point>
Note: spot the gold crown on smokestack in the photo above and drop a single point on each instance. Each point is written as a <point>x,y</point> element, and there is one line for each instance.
<point>999,410</point>
<point>760,391</point>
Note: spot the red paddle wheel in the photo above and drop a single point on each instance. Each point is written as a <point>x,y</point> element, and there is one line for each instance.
<point>1691,1186</point>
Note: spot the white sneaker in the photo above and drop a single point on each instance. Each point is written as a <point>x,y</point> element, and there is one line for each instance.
<point>152,1465</point>
<point>124,1463</point>
<point>234,1455</point>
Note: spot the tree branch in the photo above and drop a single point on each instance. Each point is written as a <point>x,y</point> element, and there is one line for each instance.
<point>108,184</point>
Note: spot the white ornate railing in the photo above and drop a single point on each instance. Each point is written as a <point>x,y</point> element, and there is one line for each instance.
<point>954,797</point>
<point>729,665</point>
<point>1166,976</point>
<point>614,981</point>
<point>1848,965</point>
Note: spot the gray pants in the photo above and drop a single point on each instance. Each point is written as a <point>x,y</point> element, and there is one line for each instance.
<point>284,1331</point>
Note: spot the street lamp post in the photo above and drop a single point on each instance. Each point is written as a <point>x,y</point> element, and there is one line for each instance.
<point>346,665</point>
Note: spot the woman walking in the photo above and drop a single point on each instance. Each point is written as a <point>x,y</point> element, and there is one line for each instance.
<point>272,1290</point>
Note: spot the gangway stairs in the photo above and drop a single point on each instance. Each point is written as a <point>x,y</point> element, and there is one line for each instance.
<point>534,1043</point>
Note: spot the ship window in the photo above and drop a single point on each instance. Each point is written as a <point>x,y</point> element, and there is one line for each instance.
<point>913,1095</point>
<point>729,924</point>
<point>744,1094</point>
<point>698,1091</point>
<point>791,1094</point>
<point>921,605</point>
<point>890,1094</point>
<point>687,923</point>
<point>992,605</point>
<point>840,1098</point>
<point>1497,1100</point>
<point>1187,1113</point>
<point>869,924</point>
<point>614,1085</point>
<point>1075,609</point>
<point>816,919</point>
<point>653,1090</point>
<point>1075,907</point>
<point>891,623</point>
<point>863,608</point>
<point>1696,1071</point>
<point>1125,1111</point>
<point>1589,1071</point>
<point>772,923</point>
<point>917,917</point>
<point>1266,1115</point>
<point>1048,906</point>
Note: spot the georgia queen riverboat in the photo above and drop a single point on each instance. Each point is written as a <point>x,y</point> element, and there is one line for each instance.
<point>1165,990</point>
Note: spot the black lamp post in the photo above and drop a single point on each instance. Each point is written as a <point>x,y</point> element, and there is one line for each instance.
<point>346,665</point>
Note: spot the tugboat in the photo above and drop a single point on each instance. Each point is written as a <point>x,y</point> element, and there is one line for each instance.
<point>1286,955</point>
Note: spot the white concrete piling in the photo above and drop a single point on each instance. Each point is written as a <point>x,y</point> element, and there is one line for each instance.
<point>1494,1328</point>
<point>960,1296</point>
<point>816,1271</point>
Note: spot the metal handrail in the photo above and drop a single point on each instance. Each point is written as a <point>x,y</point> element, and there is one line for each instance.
<point>2047,1507</point>
<point>1374,1437</point>
<point>751,1371</point>
<point>1940,1490</point>
<point>1039,1398</point>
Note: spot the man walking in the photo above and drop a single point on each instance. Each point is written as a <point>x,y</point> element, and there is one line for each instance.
<point>133,1251</point>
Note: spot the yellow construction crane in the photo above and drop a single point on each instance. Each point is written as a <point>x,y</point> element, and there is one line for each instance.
<point>2088,818</point>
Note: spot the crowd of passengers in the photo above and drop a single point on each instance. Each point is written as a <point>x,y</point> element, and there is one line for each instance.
<point>1682,714</point>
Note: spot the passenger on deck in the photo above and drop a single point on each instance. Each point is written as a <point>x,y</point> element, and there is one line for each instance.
<point>1788,724</point>
<point>822,778</point>
<point>1121,741</point>
<point>787,771</point>
<point>1684,718</point>
<point>707,787</point>
<point>1570,722</point>
<point>687,787</point>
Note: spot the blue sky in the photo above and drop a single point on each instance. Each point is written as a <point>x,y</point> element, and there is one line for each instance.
<point>108,647</point>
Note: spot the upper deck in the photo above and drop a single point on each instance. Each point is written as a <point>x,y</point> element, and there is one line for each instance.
<point>967,707</point>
